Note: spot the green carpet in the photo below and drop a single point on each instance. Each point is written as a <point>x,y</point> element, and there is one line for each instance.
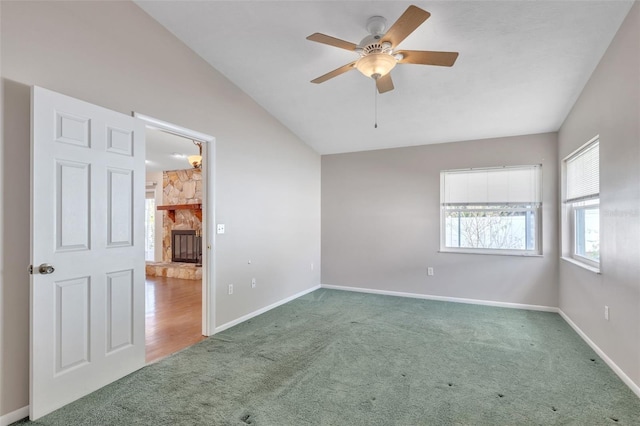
<point>341,358</point>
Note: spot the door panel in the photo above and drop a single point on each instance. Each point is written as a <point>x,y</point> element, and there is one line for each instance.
<point>87,220</point>
<point>120,141</point>
<point>73,214</point>
<point>120,296</point>
<point>72,323</point>
<point>72,129</point>
<point>119,208</point>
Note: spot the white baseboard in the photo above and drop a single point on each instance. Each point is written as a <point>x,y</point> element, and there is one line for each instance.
<point>263,310</point>
<point>14,416</point>
<point>626,379</point>
<point>445,299</point>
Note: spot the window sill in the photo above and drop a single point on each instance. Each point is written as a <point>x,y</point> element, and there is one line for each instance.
<point>490,253</point>
<point>582,265</point>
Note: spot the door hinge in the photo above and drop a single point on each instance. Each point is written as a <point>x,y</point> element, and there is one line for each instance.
<point>31,269</point>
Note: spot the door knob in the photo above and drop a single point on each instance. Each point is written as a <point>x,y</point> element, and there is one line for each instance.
<point>45,269</point>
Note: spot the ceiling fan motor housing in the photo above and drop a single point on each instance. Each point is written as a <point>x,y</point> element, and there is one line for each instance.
<point>371,43</point>
<point>376,47</point>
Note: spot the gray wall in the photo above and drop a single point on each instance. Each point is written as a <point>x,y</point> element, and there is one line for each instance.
<point>114,55</point>
<point>381,223</point>
<point>610,106</point>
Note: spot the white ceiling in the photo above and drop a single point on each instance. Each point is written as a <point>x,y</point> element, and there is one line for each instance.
<point>165,151</point>
<point>521,67</point>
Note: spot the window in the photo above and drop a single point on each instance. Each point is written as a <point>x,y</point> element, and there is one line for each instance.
<point>492,210</point>
<point>149,225</point>
<point>582,203</point>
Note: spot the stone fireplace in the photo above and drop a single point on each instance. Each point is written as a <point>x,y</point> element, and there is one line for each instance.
<point>180,188</point>
<point>181,213</point>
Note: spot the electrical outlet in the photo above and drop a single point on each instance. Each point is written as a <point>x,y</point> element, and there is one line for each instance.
<point>230,288</point>
<point>221,228</point>
<point>253,283</point>
<point>606,312</point>
<point>430,271</point>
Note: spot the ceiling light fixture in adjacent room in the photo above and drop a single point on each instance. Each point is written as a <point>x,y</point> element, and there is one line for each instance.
<point>196,160</point>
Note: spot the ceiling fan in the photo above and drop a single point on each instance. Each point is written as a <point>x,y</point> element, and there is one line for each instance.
<point>378,54</point>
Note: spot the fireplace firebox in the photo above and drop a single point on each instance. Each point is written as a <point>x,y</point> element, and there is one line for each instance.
<point>186,246</point>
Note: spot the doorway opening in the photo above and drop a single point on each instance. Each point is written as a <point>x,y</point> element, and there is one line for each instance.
<point>177,208</point>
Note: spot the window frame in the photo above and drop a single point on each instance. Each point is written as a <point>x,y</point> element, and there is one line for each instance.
<point>572,207</point>
<point>150,195</point>
<point>575,244</point>
<point>534,207</point>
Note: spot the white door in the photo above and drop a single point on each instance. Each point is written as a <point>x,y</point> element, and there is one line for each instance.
<point>87,222</point>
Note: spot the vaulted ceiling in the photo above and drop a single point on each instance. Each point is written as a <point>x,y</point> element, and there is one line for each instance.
<point>521,67</point>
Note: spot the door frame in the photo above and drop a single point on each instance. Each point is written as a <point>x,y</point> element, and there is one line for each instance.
<point>208,190</point>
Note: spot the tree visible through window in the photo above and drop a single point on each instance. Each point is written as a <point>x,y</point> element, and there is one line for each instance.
<point>493,209</point>
<point>491,227</point>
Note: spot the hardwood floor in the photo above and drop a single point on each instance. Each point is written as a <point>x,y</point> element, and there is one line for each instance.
<point>173,315</point>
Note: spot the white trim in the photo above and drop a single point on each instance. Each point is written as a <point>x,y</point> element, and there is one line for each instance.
<point>581,147</point>
<point>445,298</point>
<point>263,310</point>
<point>626,379</point>
<point>172,128</point>
<point>491,252</point>
<point>208,226</point>
<point>581,264</point>
<point>14,416</point>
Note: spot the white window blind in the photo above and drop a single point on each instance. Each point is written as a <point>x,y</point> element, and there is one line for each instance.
<point>150,190</point>
<point>583,174</point>
<point>505,185</point>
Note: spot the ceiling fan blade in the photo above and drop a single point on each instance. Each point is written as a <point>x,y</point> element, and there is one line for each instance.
<point>384,83</point>
<point>405,25</point>
<point>335,73</point>
<point>424,57</point>
<point>332,41</point>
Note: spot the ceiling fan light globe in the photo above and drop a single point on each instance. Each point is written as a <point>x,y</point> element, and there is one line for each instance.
<point>376,63</point>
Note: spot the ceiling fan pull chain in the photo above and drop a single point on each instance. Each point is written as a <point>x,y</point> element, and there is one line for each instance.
<point>375,102</point>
